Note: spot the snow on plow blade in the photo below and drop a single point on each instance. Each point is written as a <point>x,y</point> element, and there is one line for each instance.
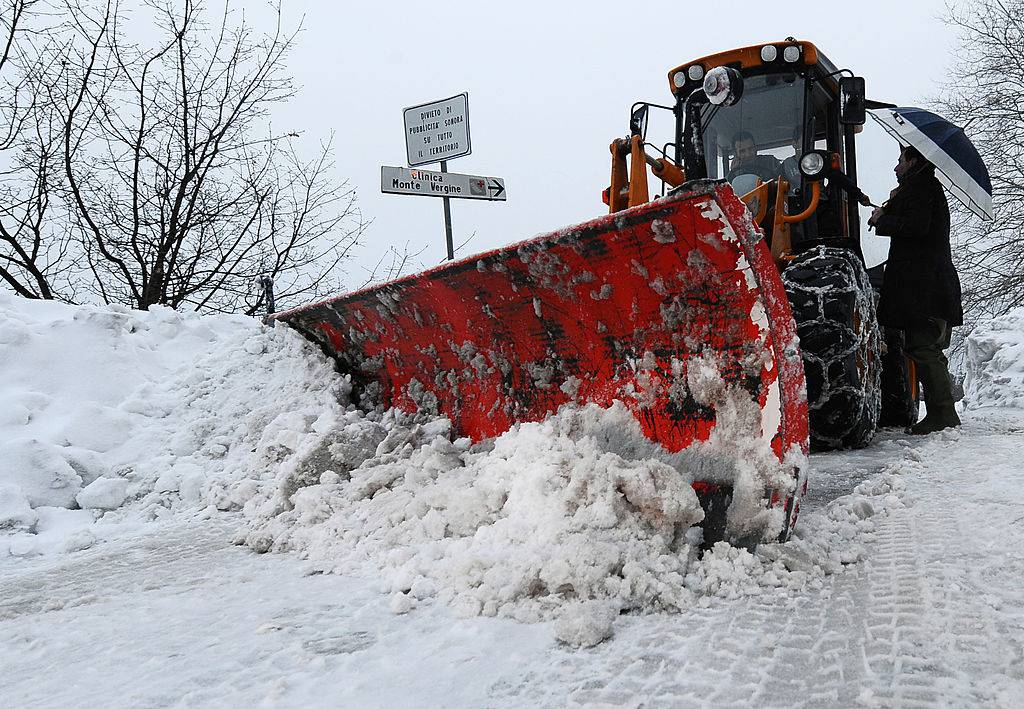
<point>673,308</point>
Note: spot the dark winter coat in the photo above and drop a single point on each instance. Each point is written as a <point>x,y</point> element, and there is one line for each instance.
<point>920,279</point>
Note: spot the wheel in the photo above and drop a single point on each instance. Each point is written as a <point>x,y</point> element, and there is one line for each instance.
<point>833,305</point>
<point>900,400</point>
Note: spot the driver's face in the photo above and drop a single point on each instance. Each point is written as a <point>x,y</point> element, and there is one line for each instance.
<point>745,151</point>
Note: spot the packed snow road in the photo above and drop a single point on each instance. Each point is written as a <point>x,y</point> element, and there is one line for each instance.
<point>926,610</point>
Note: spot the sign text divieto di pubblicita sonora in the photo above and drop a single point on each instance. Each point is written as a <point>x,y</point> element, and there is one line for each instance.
<point>442,148</point>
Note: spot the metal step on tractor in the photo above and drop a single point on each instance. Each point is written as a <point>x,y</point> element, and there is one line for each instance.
<point>732,314</point>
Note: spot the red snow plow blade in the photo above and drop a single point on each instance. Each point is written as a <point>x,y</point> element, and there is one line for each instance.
<point>631,307</point>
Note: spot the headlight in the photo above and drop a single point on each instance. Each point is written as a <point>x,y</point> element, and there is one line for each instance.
<point>791,53</point>
<point>679,79</point>
<point>769,53</point>
<point>695,72</point>
<point>812,165</point>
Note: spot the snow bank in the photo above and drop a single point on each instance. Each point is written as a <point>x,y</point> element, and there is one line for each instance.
<point>995,363</point>
<point>124,416</point>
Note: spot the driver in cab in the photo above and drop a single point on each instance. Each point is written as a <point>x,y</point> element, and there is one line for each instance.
<point>746,160</point>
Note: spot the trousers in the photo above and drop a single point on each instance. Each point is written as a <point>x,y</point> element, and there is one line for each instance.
<point>926,338</point>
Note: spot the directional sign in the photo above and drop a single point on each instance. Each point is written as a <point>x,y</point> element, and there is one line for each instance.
<point>437,131</point>
<point>401,180</point>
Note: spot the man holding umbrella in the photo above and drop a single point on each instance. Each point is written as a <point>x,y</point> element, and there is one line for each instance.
<point>921,290</point>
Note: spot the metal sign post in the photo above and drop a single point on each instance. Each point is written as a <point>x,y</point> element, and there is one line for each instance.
<point>438,132</point>
<point>448,218</point>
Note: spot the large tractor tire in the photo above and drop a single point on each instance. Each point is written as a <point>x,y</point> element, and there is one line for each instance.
<point>833,305</point>
<point>900,400</point>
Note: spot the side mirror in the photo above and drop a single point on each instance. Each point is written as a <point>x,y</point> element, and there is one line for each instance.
<point>638,120</point>
<point>723,86</point>
<point>851,101</point>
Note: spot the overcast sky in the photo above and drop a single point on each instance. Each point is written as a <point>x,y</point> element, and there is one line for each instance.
<point>550,84</point>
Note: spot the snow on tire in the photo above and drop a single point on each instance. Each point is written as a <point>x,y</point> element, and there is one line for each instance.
<point>833,305</point>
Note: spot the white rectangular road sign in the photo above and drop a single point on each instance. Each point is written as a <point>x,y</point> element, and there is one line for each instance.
<point>437,131</point>
<point>428,183</point>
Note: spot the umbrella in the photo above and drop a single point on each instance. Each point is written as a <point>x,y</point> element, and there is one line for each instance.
<point>957,163</point>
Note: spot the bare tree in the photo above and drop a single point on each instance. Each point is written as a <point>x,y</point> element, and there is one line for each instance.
<point>986,97</point>
<point>151,173</point>
<point>32,260</point>
<point>180,191</point>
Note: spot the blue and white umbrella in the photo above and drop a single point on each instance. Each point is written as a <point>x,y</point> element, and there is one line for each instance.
<point>957,163</point>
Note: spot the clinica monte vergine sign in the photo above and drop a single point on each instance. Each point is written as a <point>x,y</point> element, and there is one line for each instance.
<point>428,183</point>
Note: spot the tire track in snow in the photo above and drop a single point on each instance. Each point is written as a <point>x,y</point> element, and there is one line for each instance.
<point>101,572</point>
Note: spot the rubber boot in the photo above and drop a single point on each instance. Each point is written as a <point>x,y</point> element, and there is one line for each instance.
<point>938,395</point>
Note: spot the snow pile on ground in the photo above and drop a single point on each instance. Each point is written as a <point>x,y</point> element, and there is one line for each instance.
<point>995,362</point>
<point>122,416</point>
<point>551,520</point>
<point>541,516</point>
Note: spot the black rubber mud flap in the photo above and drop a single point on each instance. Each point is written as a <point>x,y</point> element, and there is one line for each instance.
<point>900,402</point>
<point>714,500</point>
<point>833,305</point>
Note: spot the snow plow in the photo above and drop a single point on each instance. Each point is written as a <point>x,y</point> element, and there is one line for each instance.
<point>685,308</point>
<point>674,309</point>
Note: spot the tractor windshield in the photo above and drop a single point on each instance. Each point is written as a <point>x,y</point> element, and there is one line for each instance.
<point>760,136</point>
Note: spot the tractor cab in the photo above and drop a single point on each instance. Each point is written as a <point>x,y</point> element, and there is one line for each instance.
<point>778,122</point>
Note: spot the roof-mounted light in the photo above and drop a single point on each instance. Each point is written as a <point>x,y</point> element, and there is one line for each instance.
<point>791,53</point>
<point>723,86</point>
<point>769,53</point>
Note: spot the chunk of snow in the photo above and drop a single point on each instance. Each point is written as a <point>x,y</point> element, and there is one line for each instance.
<point>15,511</point>
<point>40,471</point>
<point>78,541</point>
<point>586,624</point>
<point>402,603</point>
<point>103,494</point>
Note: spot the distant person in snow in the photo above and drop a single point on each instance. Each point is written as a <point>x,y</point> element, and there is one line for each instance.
<point>746,160</point>
<point>921,289</point>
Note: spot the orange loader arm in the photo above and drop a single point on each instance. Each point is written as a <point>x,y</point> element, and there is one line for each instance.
<point>624,192</point>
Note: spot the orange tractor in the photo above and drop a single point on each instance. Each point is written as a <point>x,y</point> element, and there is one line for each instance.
<point>679,308</point>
